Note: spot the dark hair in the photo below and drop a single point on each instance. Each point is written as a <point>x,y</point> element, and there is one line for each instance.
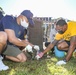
<point>61,22</point>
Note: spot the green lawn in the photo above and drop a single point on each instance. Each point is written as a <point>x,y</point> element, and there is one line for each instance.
<point>41,67</point>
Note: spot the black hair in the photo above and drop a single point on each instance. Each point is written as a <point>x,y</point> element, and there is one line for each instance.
<point>61,22</point>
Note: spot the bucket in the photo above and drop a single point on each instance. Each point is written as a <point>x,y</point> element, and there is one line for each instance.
<point>59,53</point>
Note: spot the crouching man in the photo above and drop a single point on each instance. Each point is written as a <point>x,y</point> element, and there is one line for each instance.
<point>15,29</point>
<point>67,32</point>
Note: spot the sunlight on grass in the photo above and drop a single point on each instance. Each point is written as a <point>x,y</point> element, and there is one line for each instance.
<point>54,69</point>
<point>57,69</point>
<point>12,72</point>
<point>54,59</point>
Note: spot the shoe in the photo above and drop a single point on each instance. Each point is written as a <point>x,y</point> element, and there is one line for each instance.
<point>2,66</point>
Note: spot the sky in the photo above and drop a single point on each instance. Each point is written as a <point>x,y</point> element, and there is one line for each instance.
<point>41,8</point>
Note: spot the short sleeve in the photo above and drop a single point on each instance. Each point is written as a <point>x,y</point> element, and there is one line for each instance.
<point>7,22</point>
<point>58,36</point>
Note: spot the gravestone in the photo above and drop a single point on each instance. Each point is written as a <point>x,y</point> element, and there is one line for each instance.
<point>35,34</point>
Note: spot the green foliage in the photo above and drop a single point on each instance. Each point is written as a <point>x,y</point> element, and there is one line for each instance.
<point>1,10</point>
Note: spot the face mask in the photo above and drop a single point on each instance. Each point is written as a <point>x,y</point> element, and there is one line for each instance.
<point>60,32</point>
<point>24,24</point>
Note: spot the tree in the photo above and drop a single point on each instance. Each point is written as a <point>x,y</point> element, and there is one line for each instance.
<point>1,10</point>
<point>1,13</point>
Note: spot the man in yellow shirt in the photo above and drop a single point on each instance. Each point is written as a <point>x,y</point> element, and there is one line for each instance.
<point>67,32</point>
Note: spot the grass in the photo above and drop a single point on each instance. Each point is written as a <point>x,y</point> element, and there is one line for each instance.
<point>43,66</point>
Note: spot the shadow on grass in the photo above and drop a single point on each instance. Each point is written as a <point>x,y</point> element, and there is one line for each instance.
<point>31,67</point>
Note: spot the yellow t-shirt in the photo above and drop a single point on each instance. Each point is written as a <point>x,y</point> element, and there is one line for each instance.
<point>71,31</point>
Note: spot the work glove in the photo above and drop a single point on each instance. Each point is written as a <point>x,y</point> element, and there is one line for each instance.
<point>61,62</point>
<point>36,47</point>
<point>40,55</point>
<point>28,48</point>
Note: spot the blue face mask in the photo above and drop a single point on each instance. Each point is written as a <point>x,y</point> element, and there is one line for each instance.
<point>24,24</point>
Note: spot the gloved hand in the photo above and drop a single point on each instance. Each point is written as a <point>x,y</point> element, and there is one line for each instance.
<point>28,48</point>
<point>36,47</point>
<point>61,62</point>
<point>40,55</point>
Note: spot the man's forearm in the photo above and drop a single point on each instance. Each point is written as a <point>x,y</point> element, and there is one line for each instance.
<point>70,52</point>
<point>50,46</point>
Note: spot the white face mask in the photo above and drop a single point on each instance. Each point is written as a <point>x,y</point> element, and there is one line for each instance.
<point>24,24</point>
